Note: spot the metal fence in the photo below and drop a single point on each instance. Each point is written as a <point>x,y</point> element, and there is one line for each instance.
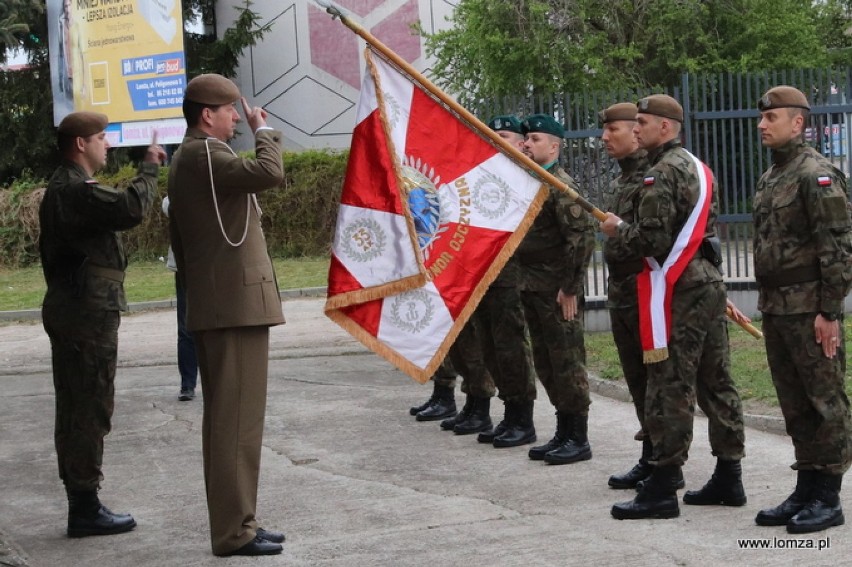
<point>720,127</point>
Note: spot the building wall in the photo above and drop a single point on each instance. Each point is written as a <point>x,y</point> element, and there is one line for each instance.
<point>306,72</point>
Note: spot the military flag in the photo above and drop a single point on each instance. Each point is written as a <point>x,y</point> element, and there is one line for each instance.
<point>430,213</point>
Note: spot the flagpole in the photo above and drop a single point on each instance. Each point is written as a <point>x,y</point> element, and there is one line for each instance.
<point>482,128</point>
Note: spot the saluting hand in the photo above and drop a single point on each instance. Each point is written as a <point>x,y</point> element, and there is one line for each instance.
<point>255,116</point>
<point>156,153</point>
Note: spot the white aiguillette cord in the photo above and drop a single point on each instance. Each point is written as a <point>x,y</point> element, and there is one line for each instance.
<point>249,198</point>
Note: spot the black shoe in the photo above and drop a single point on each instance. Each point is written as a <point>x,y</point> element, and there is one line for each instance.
<point>477,419</point>
<point>563,432</point>
<point>519,428</point>
<point>824,511</point>
<point>571,451</point>
<point>488,435</point>
<point>436,391</point>
<point>88,517</point>
<point>576,448</point>
<point>465,413</point>
<point>640,472</point>
<point>724,488</point>
<point>274,537</point>
<point>784,512</point>
<point>257,546</point>
<point>186,394</point>
<point>657,500</point>
<point>438,409</point>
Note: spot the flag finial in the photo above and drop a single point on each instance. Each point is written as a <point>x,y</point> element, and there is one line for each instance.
<point>332,8</point>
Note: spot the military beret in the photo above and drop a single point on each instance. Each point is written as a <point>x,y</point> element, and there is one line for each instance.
<point>661,105</point>
<point>618,111</point>
<point>83,124</point>
<point>542,123</point>
<point>783,97</point>
<point>212,89</point>
<point>508,122</point>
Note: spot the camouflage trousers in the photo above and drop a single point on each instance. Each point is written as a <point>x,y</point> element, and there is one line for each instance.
<point>559,351</point>
<point>698,367</point>
<point>810,392</point>
<point>466,359</point>
<point>624,322</point>
<point>505,345</point>
<point>84,345</point>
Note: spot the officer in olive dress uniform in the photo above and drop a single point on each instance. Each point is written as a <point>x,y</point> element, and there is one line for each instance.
<point>554,256</point>
<point>672,231</point>
<point>84,262</point>
<point>803,267</point>
<point>232,298</point>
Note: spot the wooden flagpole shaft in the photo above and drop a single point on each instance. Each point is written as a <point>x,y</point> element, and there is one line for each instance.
<point>483,129</point>
<point>748,327</point>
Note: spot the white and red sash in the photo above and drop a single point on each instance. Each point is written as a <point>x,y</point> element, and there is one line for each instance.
<point>655,283</point>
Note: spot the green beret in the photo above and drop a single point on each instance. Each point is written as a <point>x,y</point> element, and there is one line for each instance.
<point>661,105</point>
<point>542,123</point>
<point>508,122</point>
<point>83,124</point>
<point>783,97</point>
<point>618,111</point>
<point>212,89</point>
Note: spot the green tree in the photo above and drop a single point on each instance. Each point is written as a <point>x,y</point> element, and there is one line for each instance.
<point>520,47</point>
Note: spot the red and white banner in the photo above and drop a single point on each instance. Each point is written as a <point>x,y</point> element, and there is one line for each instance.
<point>430,213</point>
<point>654,285</point>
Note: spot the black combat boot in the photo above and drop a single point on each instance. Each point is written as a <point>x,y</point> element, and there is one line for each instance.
<point>563,431</point>
<point>521,430</point>
<point>479,418</point>
<point>680,483</point>
<point>488,435</point>
<point>449,423</point>
<point>576,447</point>
<point>781,514</point>
<point>88,517</point>
<point>442,405</point>
<point>725,487</point>
<point>414,410</point>
<point>824,510</point>
<point>640,470</point>
<point>658,499</point>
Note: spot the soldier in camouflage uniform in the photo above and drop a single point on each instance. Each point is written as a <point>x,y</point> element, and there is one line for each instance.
<point>84,262</point>
<point>622,198</point>
<point>694,365</point>
<point>803,266</point>
<point>554,257</point>
<point>503,331</point>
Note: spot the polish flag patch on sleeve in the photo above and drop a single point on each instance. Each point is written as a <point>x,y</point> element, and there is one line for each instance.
<point>648,181</point>
<point>823,180</point>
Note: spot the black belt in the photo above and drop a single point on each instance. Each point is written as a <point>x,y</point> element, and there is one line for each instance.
<point>625,269</point>
<point>802,274</point>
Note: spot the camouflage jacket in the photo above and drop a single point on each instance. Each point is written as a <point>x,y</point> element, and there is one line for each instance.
<point>802,239</point>
<point>670,192</point>
<point>556,251</point>
<point>622,198</point>
<point>81,251</point>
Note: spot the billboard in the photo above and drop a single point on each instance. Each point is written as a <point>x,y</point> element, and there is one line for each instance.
<point>123,58</point>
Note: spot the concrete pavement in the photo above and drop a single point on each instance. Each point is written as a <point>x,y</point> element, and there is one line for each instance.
<point>352,478</point>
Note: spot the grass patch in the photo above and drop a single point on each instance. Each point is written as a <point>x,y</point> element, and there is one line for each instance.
<point>748,362</point>
<point>23,288</point>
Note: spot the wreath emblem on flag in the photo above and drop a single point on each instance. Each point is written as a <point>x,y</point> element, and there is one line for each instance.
<point>412,311</point>
<point>363,240</point>
<point>490,196</point>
